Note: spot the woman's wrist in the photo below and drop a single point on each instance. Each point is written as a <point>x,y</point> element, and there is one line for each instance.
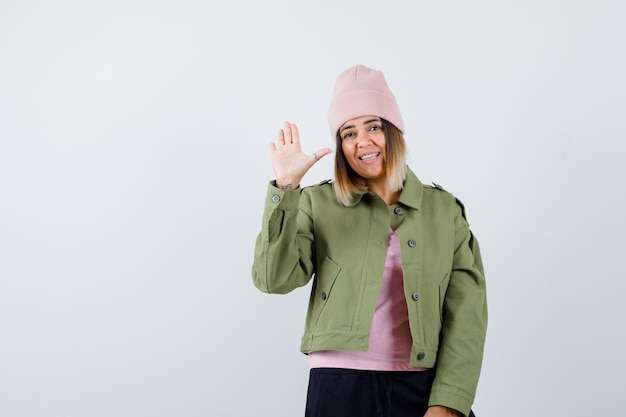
<point>287,184</point>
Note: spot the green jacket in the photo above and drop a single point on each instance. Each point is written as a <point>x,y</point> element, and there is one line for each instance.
<point>306,233</point>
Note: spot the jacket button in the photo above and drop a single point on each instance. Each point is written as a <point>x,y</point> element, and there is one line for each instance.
<point>416,296</point>
<point>398,210</point>
<point>324,296</point>
<point>421,356</point>
<point>275,198</point>
<point>412,243</point>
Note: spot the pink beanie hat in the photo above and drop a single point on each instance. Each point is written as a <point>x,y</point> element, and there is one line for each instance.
<point>362,91</point>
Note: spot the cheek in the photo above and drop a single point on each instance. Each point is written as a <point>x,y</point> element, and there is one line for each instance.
<point>381,141</point>
<point>347,151</point>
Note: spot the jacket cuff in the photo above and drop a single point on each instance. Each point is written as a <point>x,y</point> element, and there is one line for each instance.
<point>282,199</point>
<point>451,398</point>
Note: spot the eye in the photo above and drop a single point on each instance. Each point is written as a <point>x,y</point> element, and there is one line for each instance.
<point>348,135</point>
<point>375,127</point>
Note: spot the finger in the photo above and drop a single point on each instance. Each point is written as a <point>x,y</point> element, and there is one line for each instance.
<point>287,130</point>
<point>272,147</point>
<point>281,137</point>
<point>295,135</point>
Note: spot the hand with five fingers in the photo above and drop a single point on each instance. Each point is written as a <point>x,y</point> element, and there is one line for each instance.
<point>289,162</point>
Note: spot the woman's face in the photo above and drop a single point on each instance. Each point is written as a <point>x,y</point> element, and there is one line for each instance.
<point>364,145</point>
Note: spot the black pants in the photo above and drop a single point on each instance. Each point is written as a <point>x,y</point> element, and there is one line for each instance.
<point>351,393</point>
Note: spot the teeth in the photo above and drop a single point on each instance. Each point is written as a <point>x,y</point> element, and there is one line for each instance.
<point>369,156</point>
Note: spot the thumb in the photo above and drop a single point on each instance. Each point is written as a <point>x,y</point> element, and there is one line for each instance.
<point>322,153</point>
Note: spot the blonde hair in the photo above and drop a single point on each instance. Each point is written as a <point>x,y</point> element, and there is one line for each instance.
<point>349,185</point>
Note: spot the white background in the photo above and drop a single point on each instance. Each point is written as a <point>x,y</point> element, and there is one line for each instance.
<point>134,161</point>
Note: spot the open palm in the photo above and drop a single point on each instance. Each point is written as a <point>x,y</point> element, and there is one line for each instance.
<point>290,164</point>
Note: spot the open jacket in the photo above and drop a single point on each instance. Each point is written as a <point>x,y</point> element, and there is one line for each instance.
<point>307,233</point>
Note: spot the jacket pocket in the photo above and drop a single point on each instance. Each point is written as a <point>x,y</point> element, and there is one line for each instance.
<point>324,281</point>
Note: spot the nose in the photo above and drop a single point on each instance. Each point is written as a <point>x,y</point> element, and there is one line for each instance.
<point>364,140</point>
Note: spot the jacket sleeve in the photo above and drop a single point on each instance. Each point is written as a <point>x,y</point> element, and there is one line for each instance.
<point>464,324</point>
<point>283,250</point>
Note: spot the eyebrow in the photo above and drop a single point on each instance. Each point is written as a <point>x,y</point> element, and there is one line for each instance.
<point>364,123</point>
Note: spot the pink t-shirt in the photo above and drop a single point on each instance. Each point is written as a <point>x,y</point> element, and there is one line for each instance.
<point>390,338</point>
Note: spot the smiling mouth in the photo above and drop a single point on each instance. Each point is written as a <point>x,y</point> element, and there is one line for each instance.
<point>369,156</point>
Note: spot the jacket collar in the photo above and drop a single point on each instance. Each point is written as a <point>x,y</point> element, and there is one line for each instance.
<point>411,195</point>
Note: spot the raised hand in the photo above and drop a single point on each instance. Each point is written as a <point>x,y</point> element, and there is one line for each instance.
<point>289,162</point>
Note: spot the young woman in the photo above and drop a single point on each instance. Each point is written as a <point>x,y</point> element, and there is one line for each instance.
<point>397,315</point>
